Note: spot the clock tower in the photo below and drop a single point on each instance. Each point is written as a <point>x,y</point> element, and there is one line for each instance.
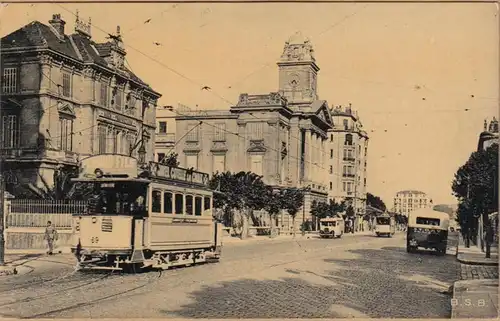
<point>298,71</point>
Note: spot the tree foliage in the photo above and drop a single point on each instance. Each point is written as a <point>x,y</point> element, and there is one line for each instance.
<point>171,160</point>
<point>375,201</point>
<point>322,209</point>
<point>476,187</point>
<point>62,189</point>
<point>242,191</point>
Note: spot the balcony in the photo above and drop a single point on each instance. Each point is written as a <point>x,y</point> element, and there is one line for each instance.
<point>165,138</point>
<point>349,175</point>
<point>349,159</point>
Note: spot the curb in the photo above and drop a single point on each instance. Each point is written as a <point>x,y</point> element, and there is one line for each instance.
<point>469,262</point>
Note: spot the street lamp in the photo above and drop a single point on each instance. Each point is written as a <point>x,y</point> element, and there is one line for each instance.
<point>142,154</point>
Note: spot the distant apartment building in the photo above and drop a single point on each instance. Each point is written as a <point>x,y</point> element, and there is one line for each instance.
<point>348,152</point>
<point>165,132</point>
<point>489,136</point>
<point>281,135</point>
<point>65,97</point>
<point>407,201</point>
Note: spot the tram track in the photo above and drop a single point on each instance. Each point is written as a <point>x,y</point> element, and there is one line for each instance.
<point>81,304</point>
<point>45,295</point>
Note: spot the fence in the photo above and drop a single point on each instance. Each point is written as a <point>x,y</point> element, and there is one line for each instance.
<point>36,213</point>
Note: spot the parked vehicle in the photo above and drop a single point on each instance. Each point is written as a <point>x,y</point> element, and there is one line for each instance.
<point>428,229</point>
<point>385,225</point>
<point>331,227</point>
<point>156,217</point>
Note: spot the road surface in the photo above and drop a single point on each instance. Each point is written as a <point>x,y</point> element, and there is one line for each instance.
<point>355,276</point>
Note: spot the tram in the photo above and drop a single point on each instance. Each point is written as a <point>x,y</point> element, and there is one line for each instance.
<point>155,216</point>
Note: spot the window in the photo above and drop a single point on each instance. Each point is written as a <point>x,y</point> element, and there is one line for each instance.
<point>10,131</point>
<point>331,137</point>
<point>344,186</point>
<point>348,139</point>
<point>130,143</point>
<point>104,94</point>
<point>198,202</point>
<point>331,153</point>
<point>118,98</point>
<point>66,134</point>
<point>220,132</point>
<point>102,135</point>
<point>162,127</point>
<point>219,164</point>
<point>346,124</point>
<point>9,81</point>
<point>193,134</point>
<point>66,85</point>
<point>161,156</point>
<point>156,202</point>
<point>331,186</point>
<point>167,203</point>
<point>207,203</point>
<point>331,169</point>
<point>256,164</point>
<point>189,205</point>
<point>344,170</point>
<point>112,135</point>
<point>192,161</point>
<point>179,204</point>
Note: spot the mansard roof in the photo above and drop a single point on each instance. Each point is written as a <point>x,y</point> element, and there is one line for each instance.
<point>74,46</point>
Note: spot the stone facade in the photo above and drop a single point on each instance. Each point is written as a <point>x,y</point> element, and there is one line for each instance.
<point>66,97</point>
<point>281,135</point>
<point>165,132</point>
<point>489,136</point>
<point>410,200</point>
<point>348,153</point>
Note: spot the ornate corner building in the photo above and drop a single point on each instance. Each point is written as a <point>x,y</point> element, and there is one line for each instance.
<point>282,135</point>
<point>348,156</point>
<point>65,97</point>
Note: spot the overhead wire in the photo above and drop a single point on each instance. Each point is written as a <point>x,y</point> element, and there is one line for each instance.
<point>185,77</point>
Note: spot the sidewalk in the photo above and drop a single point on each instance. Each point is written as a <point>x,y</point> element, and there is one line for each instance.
<point>475,295</point>
<point>475,299</point>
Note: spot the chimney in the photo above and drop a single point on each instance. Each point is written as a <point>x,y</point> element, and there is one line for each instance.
<point>57,23</point>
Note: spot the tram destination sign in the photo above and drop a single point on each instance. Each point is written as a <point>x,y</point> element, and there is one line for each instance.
<point>179,174</point>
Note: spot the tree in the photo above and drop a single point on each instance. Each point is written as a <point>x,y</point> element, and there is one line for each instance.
<point>349,211</point>
<point>274,204</point>
<point>171,160</point>
<point>476,187</point>
<point>320,209</point>
<point>243,191</point>
<point>375,201</point>
<point>293,199</point>
<point>63,188</point>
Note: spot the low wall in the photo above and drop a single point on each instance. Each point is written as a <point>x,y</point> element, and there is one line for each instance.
<point>22,238</point>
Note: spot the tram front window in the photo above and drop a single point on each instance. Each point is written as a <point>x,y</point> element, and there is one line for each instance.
<point>383,220</point>
<point>118,198</point>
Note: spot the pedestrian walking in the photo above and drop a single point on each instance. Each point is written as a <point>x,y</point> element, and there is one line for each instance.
<point>50,236</point>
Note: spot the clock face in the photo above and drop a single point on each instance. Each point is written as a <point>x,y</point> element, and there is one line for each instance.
<point>294,80</point>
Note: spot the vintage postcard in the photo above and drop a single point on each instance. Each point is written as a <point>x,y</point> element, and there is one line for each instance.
<point>249,159</point>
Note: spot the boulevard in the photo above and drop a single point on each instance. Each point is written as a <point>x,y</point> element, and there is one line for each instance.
<point>359,275</point>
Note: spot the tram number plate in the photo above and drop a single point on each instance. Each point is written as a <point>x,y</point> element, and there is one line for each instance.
<point>94,240</point>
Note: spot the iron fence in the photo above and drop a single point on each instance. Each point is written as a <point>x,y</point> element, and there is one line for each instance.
<point>36,213</point>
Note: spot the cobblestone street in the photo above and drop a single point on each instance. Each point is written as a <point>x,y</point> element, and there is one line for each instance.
<point>308,278</point>
<point>478,272</point>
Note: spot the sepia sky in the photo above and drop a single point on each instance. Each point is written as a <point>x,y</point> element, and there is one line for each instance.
<point>385,59</point>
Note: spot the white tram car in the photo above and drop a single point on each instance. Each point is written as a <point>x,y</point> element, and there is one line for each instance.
<point>154,217</point>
